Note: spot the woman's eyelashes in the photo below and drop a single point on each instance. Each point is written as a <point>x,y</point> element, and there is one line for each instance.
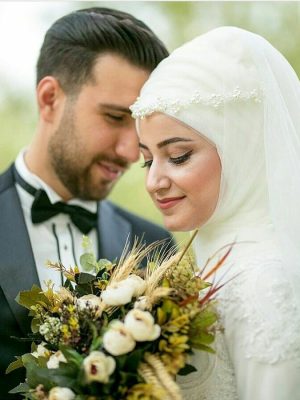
<point>147,164</point>
<point>181,159</point>
<point>172,160</point>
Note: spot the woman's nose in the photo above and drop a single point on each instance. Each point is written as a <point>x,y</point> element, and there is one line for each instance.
<point>157,179</point>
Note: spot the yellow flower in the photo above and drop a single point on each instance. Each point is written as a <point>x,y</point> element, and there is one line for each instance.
<point>73,322</point>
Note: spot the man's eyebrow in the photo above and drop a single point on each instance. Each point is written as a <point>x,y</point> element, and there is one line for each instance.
<point>166,142</point>
<point>114,107</point>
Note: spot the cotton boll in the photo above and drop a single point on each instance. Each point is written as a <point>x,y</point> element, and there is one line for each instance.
<point>118,340</point>
<point>89,301</point>
<point>141,325</point>
<point>118,294</point>
<point>137,283</point>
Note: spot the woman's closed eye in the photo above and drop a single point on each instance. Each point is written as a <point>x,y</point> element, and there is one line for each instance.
<point>173,160</point>
<point>147,164</point>
<point>181,159</point>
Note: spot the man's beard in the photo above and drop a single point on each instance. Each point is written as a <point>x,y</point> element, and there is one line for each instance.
<point>67,155</point>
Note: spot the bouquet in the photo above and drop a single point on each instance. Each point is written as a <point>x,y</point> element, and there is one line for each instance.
<point>116,331</point>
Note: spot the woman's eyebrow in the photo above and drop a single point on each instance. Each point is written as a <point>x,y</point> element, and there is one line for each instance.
<point>166,142</point>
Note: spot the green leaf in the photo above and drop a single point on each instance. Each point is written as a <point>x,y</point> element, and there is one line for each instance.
<point>35,324</point>
<point>128,378</point>
<point>33,347</point>
<point>88,262</point>
<point>203,347</point>
<point>68,285</point>
<point>71,355</point>
<point>202,338</point>
<point>204,319</point>
<point>96,343</point>
<point>86,243</point>
<point>28,358</point>
<point>64,376</point>
<point>204,284</point>
<point>42,361</point>
<point>104,264</point>
<point>187,369</point>
<point>21,388</point>
<point>121,361</point>
<point>133,360</point>
<point>84,278</point>
<point>14,365</point>
<point>31,297</point>
<point>81,397</point>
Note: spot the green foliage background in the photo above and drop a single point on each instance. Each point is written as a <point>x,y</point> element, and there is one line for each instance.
<point>175,23</point>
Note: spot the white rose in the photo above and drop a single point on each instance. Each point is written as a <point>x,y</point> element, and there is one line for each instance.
<point>118,340</point>
<point>61,393</point>
<point>117,294</point>
<point>89,301</point>
<point>120,293</point>
<point>41,351</point>
<point>137,283</point>
<point>55,359</point>
<point>98,367</point>
<point>141,325</point>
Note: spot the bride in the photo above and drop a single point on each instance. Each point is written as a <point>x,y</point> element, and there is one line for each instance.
<point>219,128</point>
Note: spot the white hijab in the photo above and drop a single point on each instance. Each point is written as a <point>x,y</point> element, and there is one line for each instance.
<point>237,90</point>
<point>234,88</point>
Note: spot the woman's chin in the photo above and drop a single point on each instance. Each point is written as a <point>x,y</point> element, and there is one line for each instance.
<point>179,226</point>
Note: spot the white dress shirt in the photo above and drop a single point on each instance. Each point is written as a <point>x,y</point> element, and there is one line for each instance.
<point>57,238</point>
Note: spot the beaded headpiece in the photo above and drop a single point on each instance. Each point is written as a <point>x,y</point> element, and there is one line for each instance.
<point>171,106</point>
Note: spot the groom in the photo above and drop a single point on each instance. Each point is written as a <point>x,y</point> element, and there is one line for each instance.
<point>91,67</point>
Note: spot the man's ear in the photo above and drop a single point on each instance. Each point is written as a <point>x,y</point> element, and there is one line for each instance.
<point>49,97</point>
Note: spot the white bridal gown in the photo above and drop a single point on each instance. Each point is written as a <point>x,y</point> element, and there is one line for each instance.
<point>258,354</point>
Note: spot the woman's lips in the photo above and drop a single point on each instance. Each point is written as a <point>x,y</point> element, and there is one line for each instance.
<point>109,171</point>
<point>168,202</point>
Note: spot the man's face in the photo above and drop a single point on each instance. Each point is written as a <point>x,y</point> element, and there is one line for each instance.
<point>96,139</point>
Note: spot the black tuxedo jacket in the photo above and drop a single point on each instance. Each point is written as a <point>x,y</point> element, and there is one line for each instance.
<point>18,270</point>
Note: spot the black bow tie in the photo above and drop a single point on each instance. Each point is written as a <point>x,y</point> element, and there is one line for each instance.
<point>42,209</point>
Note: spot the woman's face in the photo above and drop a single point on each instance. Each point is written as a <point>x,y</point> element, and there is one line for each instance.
<point>183,172</point>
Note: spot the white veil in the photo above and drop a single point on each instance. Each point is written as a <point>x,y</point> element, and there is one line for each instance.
<point>282,145</point>
<point>234,87</point>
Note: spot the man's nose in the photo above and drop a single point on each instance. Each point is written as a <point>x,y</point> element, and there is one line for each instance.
<point>127,146</point>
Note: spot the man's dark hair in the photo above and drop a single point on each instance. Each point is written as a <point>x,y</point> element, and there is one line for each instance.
<point>74,42</point>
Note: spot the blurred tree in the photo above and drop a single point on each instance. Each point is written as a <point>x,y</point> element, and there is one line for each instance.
<point>17,118</point>
<point>278,22</point>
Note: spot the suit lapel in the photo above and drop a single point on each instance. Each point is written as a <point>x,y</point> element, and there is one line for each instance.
<point>113,231</point>
<point>18,271</point>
